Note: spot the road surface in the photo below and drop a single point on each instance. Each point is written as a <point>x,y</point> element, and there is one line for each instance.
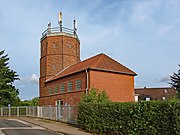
<point>18,127</point>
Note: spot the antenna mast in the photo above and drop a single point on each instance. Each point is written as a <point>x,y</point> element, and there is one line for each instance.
<point>75,26</point>
<point>60,20</point>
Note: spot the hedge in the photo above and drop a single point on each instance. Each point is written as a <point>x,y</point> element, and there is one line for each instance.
<point>142,118</point>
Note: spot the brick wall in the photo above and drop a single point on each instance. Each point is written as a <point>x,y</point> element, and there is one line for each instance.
<point>119,87</point>
<point>57,53</point>
<point>71,98</point>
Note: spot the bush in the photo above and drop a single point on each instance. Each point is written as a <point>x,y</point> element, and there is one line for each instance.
<point>151,118</point>
<point>95,96</point>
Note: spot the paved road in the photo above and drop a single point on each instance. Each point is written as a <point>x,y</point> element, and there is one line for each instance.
<point>18,127</point>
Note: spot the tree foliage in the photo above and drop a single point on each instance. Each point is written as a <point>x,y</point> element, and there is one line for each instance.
<point>8,92</point>
<point>33,102</point>
<point>95,96</point>
<point>175,81</point>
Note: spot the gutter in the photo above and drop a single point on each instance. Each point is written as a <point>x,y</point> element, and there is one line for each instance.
<point>87,82</point>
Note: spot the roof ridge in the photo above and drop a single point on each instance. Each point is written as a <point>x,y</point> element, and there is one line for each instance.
<point>99,61</point>
<point>94,63</point>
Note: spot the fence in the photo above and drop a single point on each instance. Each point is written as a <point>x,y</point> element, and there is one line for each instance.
<point>59,113</point>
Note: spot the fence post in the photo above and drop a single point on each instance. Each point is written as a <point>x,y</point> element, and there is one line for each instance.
<point>1,111</point>
<point>69,114</point>
<point>38,111</point>
<point>56,113</point>
<point>41,112</point>
<point>49,111</point>
<point>26,110</point>
<point>9,111</point>
<point>43,115</point>
<point>33,111</point>
<point>18,111</point>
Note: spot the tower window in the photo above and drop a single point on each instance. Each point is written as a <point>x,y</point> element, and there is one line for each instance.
<point>53,66</point>
<point>56,89</point>
<point>50,90</point>
<point>62,87</point>
<point>54,45</point>
<point>78,84</point>
<point>69,46</point>
<point>70,86</point>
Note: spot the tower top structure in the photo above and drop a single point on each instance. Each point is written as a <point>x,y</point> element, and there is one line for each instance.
<point>56,31</point>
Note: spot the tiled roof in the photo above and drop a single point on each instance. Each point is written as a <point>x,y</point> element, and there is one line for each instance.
<point>98,62</point>
<point>155,93</point>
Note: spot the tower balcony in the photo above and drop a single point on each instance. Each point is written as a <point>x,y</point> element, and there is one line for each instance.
<point>57,31</point>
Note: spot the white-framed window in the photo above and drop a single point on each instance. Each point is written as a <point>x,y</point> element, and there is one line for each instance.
<point>136,98</point>
<point>148,99</point>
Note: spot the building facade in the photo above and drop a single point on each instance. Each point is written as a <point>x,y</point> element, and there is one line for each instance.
<point>159,93</point>
<point>64,78</point>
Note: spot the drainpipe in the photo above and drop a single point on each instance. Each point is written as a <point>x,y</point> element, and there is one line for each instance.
<point>87,82</point>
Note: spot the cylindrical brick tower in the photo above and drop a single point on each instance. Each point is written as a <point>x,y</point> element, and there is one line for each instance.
<point>60,48</point>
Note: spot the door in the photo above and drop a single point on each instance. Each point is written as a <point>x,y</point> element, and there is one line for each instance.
<point>59,104</point>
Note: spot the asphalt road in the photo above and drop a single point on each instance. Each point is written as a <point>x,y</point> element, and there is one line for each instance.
<point>18,127</point>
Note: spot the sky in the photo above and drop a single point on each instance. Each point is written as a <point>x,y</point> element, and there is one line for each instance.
<point>143,35</point>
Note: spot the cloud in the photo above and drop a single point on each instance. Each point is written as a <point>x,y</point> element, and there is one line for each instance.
<point>164,79</point>
<point>34,79</point>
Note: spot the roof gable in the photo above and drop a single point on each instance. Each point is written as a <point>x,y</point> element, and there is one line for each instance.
<point>109,64</point>
<point>100,62</point>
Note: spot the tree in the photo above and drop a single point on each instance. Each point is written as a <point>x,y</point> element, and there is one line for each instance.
<point>95,97</point>
<point>175,81</point>
<point>8,92</point>
<point>34,101</point>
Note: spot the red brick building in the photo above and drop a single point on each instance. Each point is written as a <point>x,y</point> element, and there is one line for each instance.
<point>63,77</point>
<point>161,93</point>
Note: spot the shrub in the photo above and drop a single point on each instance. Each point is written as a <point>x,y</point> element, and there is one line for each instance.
<point>95,96</point>
<point>151,118</point>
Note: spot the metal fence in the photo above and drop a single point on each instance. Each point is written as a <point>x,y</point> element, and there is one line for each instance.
<point>59,113</point>
<point>13,111</point>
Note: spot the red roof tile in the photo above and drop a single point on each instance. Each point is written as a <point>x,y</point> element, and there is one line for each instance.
<point>155,93</point>
<point>98,62</point>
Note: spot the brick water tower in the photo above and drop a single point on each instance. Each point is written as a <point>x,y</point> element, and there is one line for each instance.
<point>60,48</point>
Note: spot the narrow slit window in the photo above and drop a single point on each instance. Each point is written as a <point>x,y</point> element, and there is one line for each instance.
<point>62,87</point>
<point>78,84</point>
<point>56,89</point>
<point>50,90</point>
<point>70,86</point>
